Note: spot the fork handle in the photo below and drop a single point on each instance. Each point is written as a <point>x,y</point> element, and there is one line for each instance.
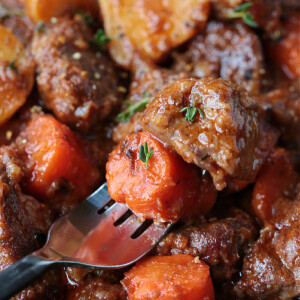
<point>21,274</point>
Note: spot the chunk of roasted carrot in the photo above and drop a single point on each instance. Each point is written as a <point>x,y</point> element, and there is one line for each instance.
<point>164,188</point>
<point>177,277</point>
<point>276,179</point>
<point>286,52</point>
<point>58,169</point>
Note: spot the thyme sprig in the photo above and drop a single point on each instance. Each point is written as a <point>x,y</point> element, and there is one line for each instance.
<point>145,154</point>
<point>191,113</point>
<point>39,27</point>
<point>132,108</point>
<point>241,11</point>
<point>100,39</point>
<point>87,17</point>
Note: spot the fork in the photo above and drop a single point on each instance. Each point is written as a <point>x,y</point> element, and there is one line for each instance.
<point>98,233</point>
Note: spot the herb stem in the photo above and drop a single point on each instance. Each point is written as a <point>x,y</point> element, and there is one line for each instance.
<point>132,108</point>
<point>145,154</point>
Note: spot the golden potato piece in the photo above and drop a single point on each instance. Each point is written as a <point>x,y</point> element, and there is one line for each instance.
<point>10,46</point>
<point>16,74</point>
<point>44,10</point>
<point>151,28</point>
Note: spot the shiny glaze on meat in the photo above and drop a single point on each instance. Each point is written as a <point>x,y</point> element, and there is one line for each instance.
<point>224,141</point>
<point>23,220</point>
<point>231,52</point>
<point>76,81</point>
<point>218,242</point>
<point>272,266</point>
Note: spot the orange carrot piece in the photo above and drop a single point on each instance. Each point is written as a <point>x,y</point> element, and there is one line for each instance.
<point>286,53</point>
<point>177,277</point>
<point>276,179</point>
<point>167,189</point>
<point>58,167</point>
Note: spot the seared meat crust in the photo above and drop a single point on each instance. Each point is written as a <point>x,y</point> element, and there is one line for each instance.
<point>224,141</point>
<point>23,220</point>
<point>219,243</point>
<point>271,269</point>
<point>148,80</point>
<point>283,107</point>
<point>232,52</point>
<point>98,285</point>
<point>77,82</point>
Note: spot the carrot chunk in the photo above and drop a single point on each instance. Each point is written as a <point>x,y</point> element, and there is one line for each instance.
<point>275,180</point>
<point>286,52</point>
<point>177,277</point>
<point>58,168</point>
<point>164,187</point>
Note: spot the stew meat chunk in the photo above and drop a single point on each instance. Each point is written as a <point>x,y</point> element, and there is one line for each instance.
<point>222,136</point>
<point>271,268</point>
<point>218,242</point>
<point>77,82</point>
<point>232,52</point>
<point>23,220</point>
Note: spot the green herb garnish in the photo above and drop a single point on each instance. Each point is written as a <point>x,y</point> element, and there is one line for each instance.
<point>87,17</point>
<point>204,157</point>
<point>100,39</point>
<point>12,65</point>
<point>144,154</point>
<point>242,12</point>
<point>39,27</point>
<point>132,108</point>
<point>191,113</point>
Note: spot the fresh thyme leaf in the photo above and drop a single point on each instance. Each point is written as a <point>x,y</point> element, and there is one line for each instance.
<point>144,154</point>
<point>242,12</point>
<point>243,7</point>
<point>100,39</point>
<point>191,113</point>
<point>39,27</point>
<point>87,17</point>
<point>248,19</point>
<point>12,65</point>
<point>132,108</point>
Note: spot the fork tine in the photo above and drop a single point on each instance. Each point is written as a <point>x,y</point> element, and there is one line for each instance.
<point>116,211</point>
<point>152,234</point>
<point>100,197</point>
<point>132,223</point>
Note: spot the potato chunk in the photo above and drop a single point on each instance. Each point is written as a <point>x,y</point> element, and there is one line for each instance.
<point>151,28</point>
<point>45,10</point>
<point>16,74</point>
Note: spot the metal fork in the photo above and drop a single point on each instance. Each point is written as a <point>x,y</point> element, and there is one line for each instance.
<point>95,234</point>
